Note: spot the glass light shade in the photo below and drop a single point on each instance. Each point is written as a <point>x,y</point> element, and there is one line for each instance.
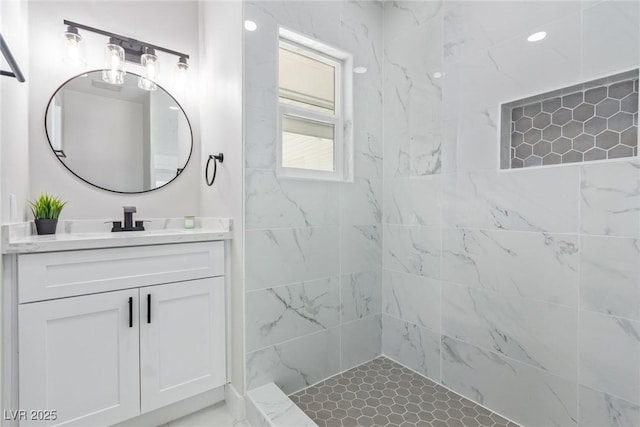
<point>180,77</point>
<point>73,48</point>
<point>150,72</point>
<point>113,72</point>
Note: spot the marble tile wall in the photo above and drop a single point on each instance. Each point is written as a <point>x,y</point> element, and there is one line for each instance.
<point>518,289</point>
<point>313,249</point>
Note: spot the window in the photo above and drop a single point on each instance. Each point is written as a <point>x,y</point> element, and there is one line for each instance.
<point>315,110</point>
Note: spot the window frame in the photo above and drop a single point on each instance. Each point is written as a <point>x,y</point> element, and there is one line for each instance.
<point>341,119</point>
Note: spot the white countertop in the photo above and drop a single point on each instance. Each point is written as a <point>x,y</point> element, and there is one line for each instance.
<point>89,234</point>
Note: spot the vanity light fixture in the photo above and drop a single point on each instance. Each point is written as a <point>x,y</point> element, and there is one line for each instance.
<point>121,49</point>
<point>180,77</point>
<point>113,72</point>
<point>250,25</point>
<point>149,62</point>
<point>74,47</point>
<point>536,37</point>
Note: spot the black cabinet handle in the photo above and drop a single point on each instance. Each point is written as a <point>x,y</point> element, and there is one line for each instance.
<point>148,308</point>
<point>131,312</point>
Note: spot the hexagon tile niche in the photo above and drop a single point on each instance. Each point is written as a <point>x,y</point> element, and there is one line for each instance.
<point>597,120</point>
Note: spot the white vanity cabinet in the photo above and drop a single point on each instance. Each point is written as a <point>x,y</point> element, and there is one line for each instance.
<point>108,334</point>
<point>182,348</point>
<point>79,357</point>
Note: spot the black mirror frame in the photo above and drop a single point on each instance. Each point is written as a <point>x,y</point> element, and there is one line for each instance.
<point>180,170</point>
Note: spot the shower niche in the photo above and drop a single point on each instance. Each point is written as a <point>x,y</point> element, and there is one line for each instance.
<point>596,120</point>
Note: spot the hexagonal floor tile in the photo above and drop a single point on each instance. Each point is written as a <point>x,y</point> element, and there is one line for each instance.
<point>407,398</point>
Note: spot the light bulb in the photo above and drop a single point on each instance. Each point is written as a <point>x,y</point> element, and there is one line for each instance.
<point>74,48</point>
<point>180,78</point>
<point>114,64</point>
<point>149,62</point>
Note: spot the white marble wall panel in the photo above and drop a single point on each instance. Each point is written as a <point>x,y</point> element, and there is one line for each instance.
<point>397,160</point>
<point>610,275</point>
<point>361,341</point>
<point>520,60</point>
<point>259,138</point>
<point>473,140</point>
<point>609,355</point>
<point>278,314</point>
<point>306,238</point>
<point>471,26</point>
<point>540,266</point>
<point>285,256</point>
<point>599,409</point>
<point>610,37</point>
<point>412,201</point>
<point>531,200</point>
<point>418,91</point>
<point>403,16</point>
<point>511,69</point>
<point>412,249</point>
<point>516,390</point>
<point>273,203</point>
<point>413,96</point>
<point>536,333</point>
<point>360,295</point>
<point>610,198</point>
<point>511,238</point>
<point>360,202</point>
<point>360,248</point>
<point>367,154</point>
<point>413,299</point>
<point>297,363</point>
<point>415,347</point>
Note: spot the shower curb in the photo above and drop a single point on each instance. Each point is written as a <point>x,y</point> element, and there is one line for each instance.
<point>268,406</point>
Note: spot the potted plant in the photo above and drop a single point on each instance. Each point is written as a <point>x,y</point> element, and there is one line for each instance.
<point>46,211</point>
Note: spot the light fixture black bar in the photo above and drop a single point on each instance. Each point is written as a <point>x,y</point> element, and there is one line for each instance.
<point>123,38</point>
<point>15,69</point>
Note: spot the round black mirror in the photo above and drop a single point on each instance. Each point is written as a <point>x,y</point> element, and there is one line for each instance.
<point>119,138</point>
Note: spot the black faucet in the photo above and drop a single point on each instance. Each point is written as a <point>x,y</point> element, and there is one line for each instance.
<point>128,221</point>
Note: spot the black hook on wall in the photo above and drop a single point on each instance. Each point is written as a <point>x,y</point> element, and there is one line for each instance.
<point>216,159</point>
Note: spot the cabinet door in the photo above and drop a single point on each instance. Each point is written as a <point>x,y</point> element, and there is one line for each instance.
<point>79,356</point>
<point>182,340</point>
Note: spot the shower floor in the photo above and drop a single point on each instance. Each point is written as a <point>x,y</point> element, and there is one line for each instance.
<point>384,393</point>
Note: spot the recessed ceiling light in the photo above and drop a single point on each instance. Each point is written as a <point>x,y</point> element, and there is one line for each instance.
<point>360,70</point>
<point>536,37</point>
<point>437,74</point>
<point>250,25</point>
<point>173,107</point>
